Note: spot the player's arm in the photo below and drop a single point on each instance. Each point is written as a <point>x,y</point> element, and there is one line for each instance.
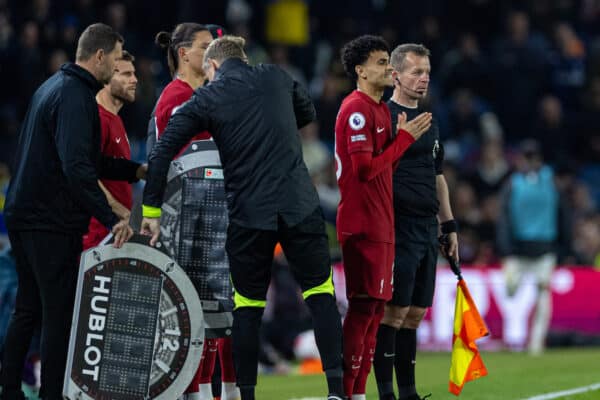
<point>119,209</point>
<point>366,166</point>
<point>120,169</point>
<point>190,118</point>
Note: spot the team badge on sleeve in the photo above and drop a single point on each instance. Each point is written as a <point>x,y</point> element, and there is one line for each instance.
<point>357,121</point>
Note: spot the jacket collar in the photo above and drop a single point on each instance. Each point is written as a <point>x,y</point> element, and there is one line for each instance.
<point>83,74</point>
<point>229,65</point>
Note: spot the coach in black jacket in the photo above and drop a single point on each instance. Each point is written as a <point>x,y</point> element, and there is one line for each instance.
<point>253,114</point>
<point>51,197</point>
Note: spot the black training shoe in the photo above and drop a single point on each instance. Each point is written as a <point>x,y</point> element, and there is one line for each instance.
<point>336,397</point>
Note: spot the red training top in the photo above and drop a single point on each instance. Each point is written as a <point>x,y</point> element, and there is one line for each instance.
<point>172,97</point>
<point>114,143</point>
<point>365,153</point>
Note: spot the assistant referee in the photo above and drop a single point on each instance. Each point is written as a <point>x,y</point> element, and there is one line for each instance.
<point>420,200</point>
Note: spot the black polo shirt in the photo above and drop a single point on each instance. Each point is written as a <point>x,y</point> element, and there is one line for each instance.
<point>415,192</point>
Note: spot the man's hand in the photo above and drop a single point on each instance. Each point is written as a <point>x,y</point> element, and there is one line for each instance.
<point>140,173</point>
<point>122,232</point>
<point>450,248</point>
<point>151,227</point>
<point>416,126</point>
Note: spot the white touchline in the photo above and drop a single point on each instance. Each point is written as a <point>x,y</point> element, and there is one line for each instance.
<point>547,396</point>
<point>310,398</point>
<point>556,395</point>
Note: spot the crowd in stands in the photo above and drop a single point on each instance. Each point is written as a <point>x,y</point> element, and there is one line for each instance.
<point>502,71</point>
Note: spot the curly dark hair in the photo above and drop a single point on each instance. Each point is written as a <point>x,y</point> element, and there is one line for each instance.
<point>357,51</point>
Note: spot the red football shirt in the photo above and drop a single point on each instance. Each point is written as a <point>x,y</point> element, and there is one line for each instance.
<point>365,208</point>
<point>114,143</point>
<point>174,95</point>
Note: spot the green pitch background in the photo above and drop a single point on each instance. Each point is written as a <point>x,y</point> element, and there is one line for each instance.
<point>511,376</point>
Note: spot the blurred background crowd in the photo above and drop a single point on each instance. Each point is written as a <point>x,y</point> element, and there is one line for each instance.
<point>502,71</point>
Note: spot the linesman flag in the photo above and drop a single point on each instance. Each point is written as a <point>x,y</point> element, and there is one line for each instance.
<point>466,364</point>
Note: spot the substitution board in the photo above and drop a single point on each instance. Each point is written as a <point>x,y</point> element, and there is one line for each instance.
<point>137,330</point>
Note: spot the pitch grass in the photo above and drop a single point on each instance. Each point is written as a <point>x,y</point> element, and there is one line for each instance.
<point>511,376</point>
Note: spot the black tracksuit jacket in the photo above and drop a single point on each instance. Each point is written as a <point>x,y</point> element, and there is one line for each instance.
<point>253,114</point>
<point>58,161</point>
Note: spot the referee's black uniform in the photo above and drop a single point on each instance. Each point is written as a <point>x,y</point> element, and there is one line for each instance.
<point>51,197</point>
<point>253,114</point>
<point>416,207</point>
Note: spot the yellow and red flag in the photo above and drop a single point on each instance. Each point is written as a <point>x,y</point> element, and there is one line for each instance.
<point>467,364</point>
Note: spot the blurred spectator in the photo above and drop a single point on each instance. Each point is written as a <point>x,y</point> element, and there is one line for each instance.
<point>57,58</point>
<point>4,178</point>
<point>588,132</point>
<point>464,204</point>
<point>568,65</point>
<point>553,131</point>
<point>280,56</point>
<point>465,67</point>
<point>521,73</point>
<point>463,123</point>
<point>8,290</point>
<point>327,106</point>
<point>491,169</point>
<point>30,64</point>
<point>581,203</point>
<point>486,230</point>
<point>68,36</point>
<point>532,233</point>
<point>586,243</point>
<point>6,31</point>
<point>315,154</point>
<point>255,52</point>
<point>430,35</point>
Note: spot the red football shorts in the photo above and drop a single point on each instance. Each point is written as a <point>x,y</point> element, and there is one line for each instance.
<point>368,266</point>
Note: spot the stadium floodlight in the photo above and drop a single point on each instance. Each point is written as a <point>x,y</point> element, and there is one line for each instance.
<point>137,329</point>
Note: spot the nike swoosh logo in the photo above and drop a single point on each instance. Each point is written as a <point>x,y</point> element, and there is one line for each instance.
<point>118,140</point>
<point>355,366</point>
<point>388,355</point>
<point>379,130</point>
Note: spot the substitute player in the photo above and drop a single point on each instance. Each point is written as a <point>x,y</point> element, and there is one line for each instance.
<point>365,153</point>
<point>185,48</point>
<point>420,194</point>
<point>114,143</point>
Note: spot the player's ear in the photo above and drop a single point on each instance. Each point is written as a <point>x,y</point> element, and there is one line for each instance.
<point>360,71</point>
<point>182,53</point>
